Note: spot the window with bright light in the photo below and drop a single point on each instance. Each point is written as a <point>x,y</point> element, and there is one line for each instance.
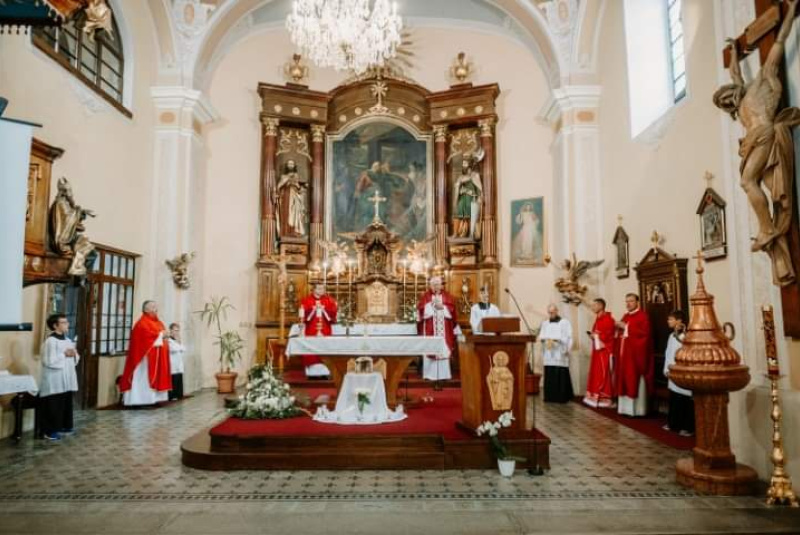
<point>678,56</point>
<point>656,59</point>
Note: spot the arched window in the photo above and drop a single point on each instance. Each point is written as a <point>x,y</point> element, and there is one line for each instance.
<point>99,63</point>
<point>656,59</point>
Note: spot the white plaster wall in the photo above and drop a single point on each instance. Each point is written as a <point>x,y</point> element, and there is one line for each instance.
<point>108,159</point>
<point>655,183</point>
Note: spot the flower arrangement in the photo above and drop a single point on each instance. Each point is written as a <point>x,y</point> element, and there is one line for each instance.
<point>267,397</point>
<point>492,429</point>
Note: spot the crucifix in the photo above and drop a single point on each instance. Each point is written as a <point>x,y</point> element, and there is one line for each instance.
<point>376,199</point>
<point>767,150</point>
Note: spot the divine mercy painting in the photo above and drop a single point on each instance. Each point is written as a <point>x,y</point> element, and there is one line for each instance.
<point>527,232</point>
<point>379,157</point>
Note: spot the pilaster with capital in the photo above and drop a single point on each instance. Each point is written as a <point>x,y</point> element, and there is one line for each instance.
<point>440,186</point>
<point>577,198</point>
<point>268,159</point>
<point>317,189</point>
<point>489,234</point>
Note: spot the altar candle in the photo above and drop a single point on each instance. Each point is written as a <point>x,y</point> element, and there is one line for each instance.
<point>403,305</point>
<point>325,274</point>
<point>773,370</point>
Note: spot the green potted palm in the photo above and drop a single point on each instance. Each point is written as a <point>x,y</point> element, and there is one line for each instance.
<point>230,343</point>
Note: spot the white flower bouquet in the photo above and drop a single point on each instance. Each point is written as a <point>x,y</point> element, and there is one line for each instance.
<point>492,429</point>
<point>267,397</point>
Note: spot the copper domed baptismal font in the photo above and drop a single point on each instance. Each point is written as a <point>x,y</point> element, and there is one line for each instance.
<point>709,367</point>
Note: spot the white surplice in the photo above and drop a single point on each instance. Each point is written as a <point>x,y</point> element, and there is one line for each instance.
<point>58,370</point>
<point>477,314</point>
<point>435,368</point>
<point>141,393</point>
<point>556,338</point>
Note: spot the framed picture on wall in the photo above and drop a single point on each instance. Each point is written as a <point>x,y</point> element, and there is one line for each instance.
<point>527,232</point>
<point>713,231</point>
<point>620,241</point>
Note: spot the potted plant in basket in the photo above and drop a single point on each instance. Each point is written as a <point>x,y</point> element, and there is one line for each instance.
<point>505,462</point>
<point>230,343</point>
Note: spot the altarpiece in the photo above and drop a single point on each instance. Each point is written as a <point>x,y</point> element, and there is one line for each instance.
<point>374,187</point>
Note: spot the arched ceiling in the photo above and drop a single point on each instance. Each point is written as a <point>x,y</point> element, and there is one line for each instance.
<point>562,47</point>
<point>520,20</point>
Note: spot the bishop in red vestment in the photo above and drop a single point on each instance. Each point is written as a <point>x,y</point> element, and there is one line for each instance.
<point>635,365</point>
<point>147,378</point>
<point>600,383</point>
<point>318,313</point>
<point>436,316</point>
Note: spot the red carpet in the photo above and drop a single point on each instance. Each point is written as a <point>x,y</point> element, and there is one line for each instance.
<point>436,418</point>
<point>652,426</point>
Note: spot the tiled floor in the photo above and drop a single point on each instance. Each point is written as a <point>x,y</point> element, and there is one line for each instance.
<point>121,463</point>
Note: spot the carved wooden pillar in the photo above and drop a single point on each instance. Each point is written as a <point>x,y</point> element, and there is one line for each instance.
<point>270,143</point>
<point>440,187</point>
<point>489,235</point>
<point>317,189</point>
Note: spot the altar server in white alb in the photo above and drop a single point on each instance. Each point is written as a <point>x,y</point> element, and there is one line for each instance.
<point>176,351</point>
<point>556,338</point>
<point>58,379</point>
<point>436,312</point>
<point>482,309</point>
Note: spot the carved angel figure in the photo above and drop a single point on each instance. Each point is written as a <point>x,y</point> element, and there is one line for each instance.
<point>97,16</point>
<point>571,290</point>
<point>66,229</point>
<point>180,270</point>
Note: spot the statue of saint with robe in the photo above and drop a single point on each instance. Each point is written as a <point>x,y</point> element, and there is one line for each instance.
<point>292,191</point>
<point>66,229</point>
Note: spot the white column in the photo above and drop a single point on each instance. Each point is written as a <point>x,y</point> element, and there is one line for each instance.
<point>576,219</point>
<point>178,213</point>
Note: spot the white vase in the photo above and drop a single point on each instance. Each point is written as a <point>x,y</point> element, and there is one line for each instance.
<point>506,467</point>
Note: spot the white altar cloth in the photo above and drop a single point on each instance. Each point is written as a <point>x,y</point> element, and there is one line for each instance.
<point>14,384</point>
<point>373,346</point>
<point>347,411</point>
<point>374,329</point>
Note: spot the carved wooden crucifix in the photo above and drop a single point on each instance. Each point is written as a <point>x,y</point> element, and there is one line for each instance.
<point>761,35</point>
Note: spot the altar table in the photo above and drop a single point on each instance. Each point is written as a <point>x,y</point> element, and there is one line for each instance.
<point>397,351</point>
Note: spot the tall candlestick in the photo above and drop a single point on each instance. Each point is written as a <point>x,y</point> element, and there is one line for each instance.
<point>325,274</point>
<point>350,289</point>
<point>403,304</point>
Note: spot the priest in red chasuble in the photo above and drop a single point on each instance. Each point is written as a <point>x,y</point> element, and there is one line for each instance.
<point>600,383</point>
<point>147,378</point>
<point>436,316</point>
<point>318,314</point>
<point>635,366</point>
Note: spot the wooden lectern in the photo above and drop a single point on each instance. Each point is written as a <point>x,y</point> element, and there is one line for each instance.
<point>493,374</point>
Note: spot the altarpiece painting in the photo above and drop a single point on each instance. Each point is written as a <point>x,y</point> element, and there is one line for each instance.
<point>379,156</point>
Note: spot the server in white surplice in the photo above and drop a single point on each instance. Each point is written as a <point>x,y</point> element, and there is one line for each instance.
<point>58,380</point>
<point>555,336</point>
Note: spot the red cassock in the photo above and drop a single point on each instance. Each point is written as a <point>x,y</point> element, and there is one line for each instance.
<point>143,337</point>
<point>600,383</point>
<point>635,355</point>
<point>318,324</point>
<point>426,325</point>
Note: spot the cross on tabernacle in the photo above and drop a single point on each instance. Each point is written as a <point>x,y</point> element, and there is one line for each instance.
<point>377,199</point>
